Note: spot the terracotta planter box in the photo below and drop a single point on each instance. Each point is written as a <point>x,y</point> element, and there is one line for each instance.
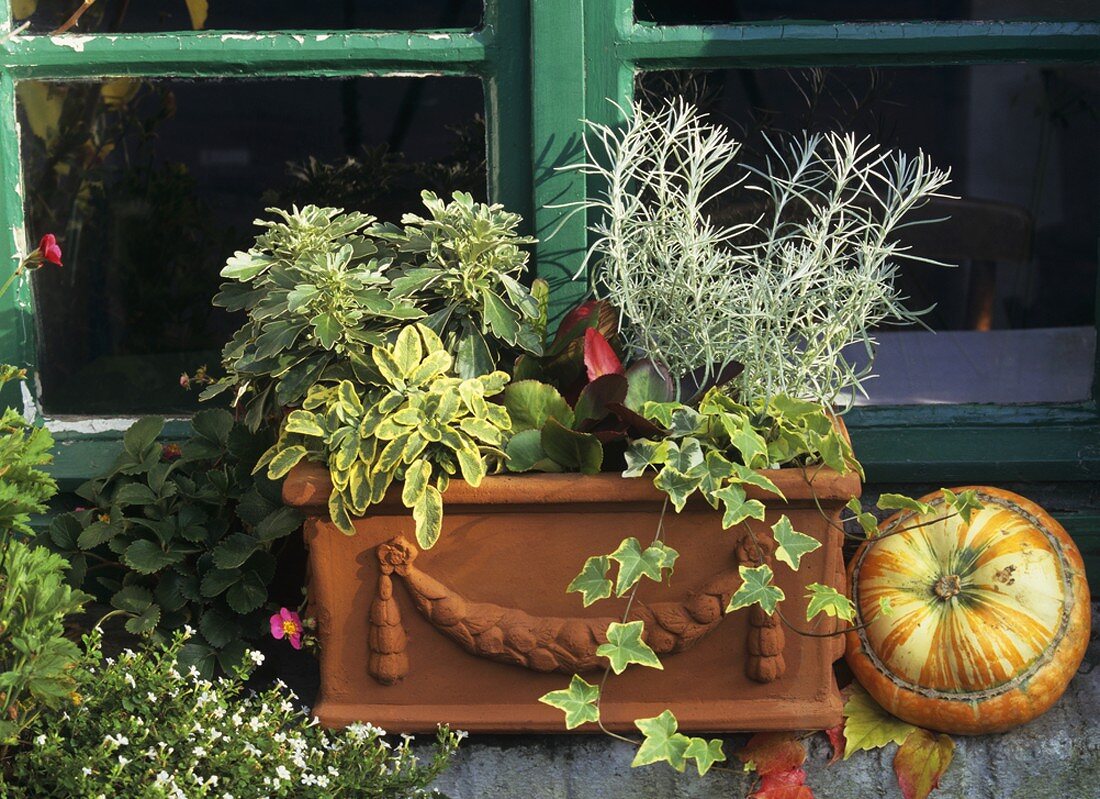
<point>474,630</point>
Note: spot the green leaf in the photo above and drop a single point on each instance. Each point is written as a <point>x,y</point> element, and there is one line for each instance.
<point>530,404</point>
<point>662,743</point>
<point>219,627</point>
<point>144,622</point>
<point>214,425</point>
<point>902,502</point>
<point>327,328</point>
<point>647,382</point>
<point>580,451</point>
<point>885,607</point>
<point>964,503</point>
<point>303,422</point>
<point>474,357</point>
<point>635,563</point>
<point>417,476</point>
<point>145,557</point>
<point>791,544</point>
<point>141,435</point>
<point>705,753</point>
<point>134,494</point>
<point>281,522</point>
<point>284,461</point>
<point>745,439</point>
<point>578,701</point>
<point>502,320</point>
<point>826,599</point>
<point>625,646</point>
<point>98,533</point>
<point>234,550</point>
<point>678,485</point>
<point>428,515</point>
<point>867,521</point>
<point>592,583</point>
<point>737,508</point>
<point>868,726</point>
<point>248,594</point>
<point>643,453</point>
<point>407,351</point>
<point>216,581</point>
<point>132,599</point>
<point>756,590</point>
<point>471,464</point>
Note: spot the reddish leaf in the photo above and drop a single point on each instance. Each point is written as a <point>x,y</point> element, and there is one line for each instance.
<point>921,761</point>
<point>789,784</point>
<point>592,314</point>
<point>836,740</point>
<point>773,752</point>
<point>599,358</point>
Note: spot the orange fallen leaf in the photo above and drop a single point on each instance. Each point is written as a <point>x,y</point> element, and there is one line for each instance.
<point>772,752</point>
<point>790,784</point>
<point>837,741</point>
<point>921,761</point>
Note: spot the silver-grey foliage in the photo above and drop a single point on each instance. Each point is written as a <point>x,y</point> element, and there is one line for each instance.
<point>784,294</point>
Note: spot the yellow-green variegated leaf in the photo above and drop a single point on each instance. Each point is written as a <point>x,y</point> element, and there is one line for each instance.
<point>284,461</point>
<point>428,515</point>
<point>407,351</point>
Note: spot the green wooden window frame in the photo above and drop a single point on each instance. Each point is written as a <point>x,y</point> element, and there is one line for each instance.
<point>546,65</point>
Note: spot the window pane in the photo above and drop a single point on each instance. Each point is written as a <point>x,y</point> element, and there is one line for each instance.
<point>682,12</point>
<point>1015,319</point>
<point>149,186</point>
<point>125,16</point>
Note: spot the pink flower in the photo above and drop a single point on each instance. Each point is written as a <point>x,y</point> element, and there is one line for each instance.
<point>49,250</point>
<point>170,452</point>
<point>287,624</point>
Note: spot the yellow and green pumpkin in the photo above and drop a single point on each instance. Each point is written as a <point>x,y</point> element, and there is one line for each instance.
<point>984,622</point>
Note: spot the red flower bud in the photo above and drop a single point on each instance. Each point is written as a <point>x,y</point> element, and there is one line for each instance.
<point>49,250</point>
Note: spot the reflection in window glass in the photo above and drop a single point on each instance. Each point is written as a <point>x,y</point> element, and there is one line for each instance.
<point>147,16</point>
<point>149,186</point>
<point>1015,319</point>
<point>682,12</point>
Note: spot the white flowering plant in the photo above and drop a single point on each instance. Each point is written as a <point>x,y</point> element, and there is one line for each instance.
<point>139,727</point>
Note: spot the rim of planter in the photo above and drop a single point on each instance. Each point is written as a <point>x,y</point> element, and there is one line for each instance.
<point>308,486</point>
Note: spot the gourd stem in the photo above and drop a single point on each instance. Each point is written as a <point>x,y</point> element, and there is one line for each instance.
<point>947,586</point>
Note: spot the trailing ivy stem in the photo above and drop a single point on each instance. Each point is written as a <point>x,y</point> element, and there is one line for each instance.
<point>75,18</point>
<point>626,615</point>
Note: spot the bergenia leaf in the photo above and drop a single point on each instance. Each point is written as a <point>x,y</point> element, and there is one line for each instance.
<point>578,702</point>
<point>757,589</point>
<point>599,358</point>
<point>791,544</point>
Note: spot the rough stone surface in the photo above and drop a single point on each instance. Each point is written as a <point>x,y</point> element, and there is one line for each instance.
<point>1056,755</point>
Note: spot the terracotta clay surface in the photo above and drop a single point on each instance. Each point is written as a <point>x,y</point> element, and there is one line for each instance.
<point>474,630</point>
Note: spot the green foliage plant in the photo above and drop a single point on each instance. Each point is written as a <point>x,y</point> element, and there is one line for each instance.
<point>783,295</point>
<point>415,422</point>
<point>321,288</point>
<point>465,270</point>
<point>147,728</point>
<point>35,598</point>
<point>182,534</point>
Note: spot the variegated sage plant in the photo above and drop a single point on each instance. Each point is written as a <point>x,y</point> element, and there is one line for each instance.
<point>414,421</point>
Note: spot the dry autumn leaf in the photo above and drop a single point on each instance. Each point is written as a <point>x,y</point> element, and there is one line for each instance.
<point>198,9</point>
<point>836,740</point>
<point>784,785</point>
<point>921,761</point>
<point>773,752</point>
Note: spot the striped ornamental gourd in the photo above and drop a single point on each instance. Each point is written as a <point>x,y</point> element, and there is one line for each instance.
<point>984,623</point>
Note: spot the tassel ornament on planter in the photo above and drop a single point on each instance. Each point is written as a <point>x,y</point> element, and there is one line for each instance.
<point>765,639</point>
<point>388,662</point>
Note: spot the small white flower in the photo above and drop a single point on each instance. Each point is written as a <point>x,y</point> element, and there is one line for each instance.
<point>40,740</point>
<point>150,696</point>
<point>122,761</point>
<point>86,771</point>
<point>130,680</point>
<point>256,657</point>
<point>282,772</point>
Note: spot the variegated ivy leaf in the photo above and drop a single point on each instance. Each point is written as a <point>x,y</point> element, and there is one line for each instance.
<point>964,503</point>
<point>747,476</point>
<point>592,583</point>
<point>643,453</point>
<point>885,607</point>
<point>677,485</point>
<point>705,753</point>
<point>902,502</point>
<point>866,520</point>
<point>634,563</point>
<point>737,507</point>
<point>625,646</point>
<point>662,742</point>
<point>826,599</point>
<point>757,589</point>
<point>578,702</point>
<point>791,544</point>
<point>743,438</point>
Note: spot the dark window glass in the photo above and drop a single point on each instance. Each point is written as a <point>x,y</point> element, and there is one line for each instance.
<point>150,185</point>
<point>1015,318</point>
<point>146,16</point>
<point>682,12</point>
